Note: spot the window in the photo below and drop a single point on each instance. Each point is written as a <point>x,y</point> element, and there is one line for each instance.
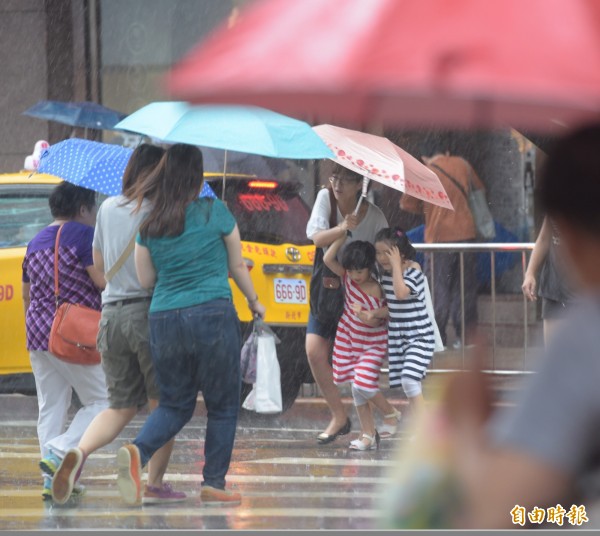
<point>269,213</point>
<point>24,211</point>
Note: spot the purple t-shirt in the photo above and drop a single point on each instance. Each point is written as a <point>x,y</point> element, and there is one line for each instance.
<point>75,284</point>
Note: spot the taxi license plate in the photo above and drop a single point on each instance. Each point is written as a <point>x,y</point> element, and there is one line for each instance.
<point>290,290</point>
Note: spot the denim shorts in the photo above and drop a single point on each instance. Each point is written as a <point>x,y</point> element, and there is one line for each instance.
<point>327,331</point>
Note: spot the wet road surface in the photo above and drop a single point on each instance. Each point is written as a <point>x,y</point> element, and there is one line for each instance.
<point>287,480</point>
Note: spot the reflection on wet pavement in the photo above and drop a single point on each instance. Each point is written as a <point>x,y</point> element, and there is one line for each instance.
<point>287,481</point>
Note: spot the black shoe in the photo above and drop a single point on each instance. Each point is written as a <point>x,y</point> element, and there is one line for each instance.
<point>324,438</point>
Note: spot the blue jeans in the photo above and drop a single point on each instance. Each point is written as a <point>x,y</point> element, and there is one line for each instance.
<point>196,349</point>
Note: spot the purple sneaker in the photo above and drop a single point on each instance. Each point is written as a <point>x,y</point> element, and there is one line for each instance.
<point>164,494</point>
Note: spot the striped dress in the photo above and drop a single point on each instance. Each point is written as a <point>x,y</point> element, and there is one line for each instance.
<point>359,349</point>
<point>410,331</point>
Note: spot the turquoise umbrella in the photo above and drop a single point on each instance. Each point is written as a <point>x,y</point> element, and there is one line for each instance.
<point>246,129</point>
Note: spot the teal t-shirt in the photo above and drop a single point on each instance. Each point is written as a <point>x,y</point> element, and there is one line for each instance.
<point>191,268</point>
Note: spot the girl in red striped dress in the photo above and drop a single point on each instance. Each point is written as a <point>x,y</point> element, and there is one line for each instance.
<point>361,339</point>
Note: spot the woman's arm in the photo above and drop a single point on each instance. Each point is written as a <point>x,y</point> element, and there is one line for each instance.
<point>144,267</point>
<point>325,238</point>
<point>239,272</point>
<point>330,257</point>
<point>96,276</point>
<point>98,260</point>
<point>322,239</point>
<point>25,294</point>
<point>540,251</point>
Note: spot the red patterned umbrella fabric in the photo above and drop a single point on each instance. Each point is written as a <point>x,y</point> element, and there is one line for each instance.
<point>531,64</point>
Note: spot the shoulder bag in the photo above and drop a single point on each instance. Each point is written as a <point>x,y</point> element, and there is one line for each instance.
<point>74,328</point>
<point>326,291</point>
<point>482,217</point>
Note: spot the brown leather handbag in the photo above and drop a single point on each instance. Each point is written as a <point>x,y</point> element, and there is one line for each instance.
<point>74,328</point>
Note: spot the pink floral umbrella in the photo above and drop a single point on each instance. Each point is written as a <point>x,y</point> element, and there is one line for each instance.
<point>377,158</point>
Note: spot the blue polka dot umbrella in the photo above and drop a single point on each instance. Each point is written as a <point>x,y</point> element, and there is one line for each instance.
<point>92,164</point>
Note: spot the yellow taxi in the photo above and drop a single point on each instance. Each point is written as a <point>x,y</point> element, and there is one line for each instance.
<point>23,212</point>
<point>272,218</point>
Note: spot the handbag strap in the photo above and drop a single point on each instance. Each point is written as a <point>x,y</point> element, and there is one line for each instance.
<point>121,260</point>
<point>56,243</point>
<point>318,259</point>
<point>333,211</point>
<point>457,184</point>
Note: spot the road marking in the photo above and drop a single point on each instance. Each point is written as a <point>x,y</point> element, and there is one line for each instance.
<point>263,479</point>
<point>203,511</point>
<point>327,461</point>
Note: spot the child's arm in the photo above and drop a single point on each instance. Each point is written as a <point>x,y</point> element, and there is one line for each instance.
<point>401,291</point>
<point>373,318</point>
<point>330,257</point>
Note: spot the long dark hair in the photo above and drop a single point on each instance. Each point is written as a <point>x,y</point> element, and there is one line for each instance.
<point>143,159</point>
<point>397,237</point>
<point>171,187</point>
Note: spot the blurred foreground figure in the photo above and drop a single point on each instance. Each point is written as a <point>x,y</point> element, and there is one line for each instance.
<point>536,464</point>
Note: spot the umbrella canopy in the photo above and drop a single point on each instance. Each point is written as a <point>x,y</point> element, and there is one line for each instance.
<point>77,114</point>
<point>534,65</point>
<point>218,160</point>
<point>92,164</point>
<point>246,129</point>
<point>378,159</point>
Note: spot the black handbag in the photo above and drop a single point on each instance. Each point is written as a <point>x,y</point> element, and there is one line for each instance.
<point>326,290</point>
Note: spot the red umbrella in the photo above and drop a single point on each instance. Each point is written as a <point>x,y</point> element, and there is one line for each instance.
<point>532,64</point>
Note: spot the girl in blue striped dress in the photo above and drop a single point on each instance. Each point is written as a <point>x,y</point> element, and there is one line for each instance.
<point>411,340</point>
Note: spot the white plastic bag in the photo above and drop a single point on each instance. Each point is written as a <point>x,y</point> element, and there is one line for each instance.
<point>268,377</point>
<point>250,350</point>
<point>482,217</point>
<point>265,396</point>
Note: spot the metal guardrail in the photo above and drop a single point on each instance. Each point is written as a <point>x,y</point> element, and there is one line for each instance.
<point>482,247</point>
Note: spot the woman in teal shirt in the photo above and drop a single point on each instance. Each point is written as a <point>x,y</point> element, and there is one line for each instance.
<point>186,248</point>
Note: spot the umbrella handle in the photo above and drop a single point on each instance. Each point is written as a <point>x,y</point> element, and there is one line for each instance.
<point>363,195</point>
<point>358,205</point>
<point>224,175</point>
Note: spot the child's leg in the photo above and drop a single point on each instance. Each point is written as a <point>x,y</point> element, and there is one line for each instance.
<point>417,359</point>
<point>389,412</point>
<point>365,416</point>
<point>414,393</point>
<point>363,409</point>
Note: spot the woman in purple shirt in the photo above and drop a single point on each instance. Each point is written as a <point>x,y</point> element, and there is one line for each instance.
<point>75,209</point>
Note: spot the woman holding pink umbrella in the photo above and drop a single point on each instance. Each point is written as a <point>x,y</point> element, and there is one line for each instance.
<point>345,188</point>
